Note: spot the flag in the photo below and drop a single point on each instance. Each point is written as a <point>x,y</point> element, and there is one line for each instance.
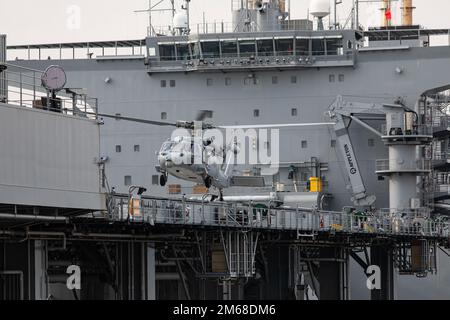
<point>388,14</point>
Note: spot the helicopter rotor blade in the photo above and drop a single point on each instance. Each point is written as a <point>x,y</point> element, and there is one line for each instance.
<point>151,122</point>
<point>269,126</point>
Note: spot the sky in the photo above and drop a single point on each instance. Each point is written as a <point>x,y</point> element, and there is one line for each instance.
<point>54,21</point>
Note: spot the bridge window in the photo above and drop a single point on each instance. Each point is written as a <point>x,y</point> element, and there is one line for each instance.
<point>118,149</point>
<point>137,148</point>
<point>172,83</point>
<point>167,52</point>
<point>333,143</point>
<point>302,47</point>
<point>341,78</point>
<point>155,180</point>
<point>195,49</point>
<point>127,181</point>
<point>318,47</point>
<point>334,47</point>
<point>304,144</point>
<point>284,47</point>
<point>247,48</point>
<point>229,48</point>
<point>210,49</point>
<point>163,83</point>
<point>274,80</point>
<point>265,47</point>
<point>183,51</point>
<point>163,115</point>
<point>294,79</point>
<point>256,113</point>
<point>332,78</point>
<point>294,112</point>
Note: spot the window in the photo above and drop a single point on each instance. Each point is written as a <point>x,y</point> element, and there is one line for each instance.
<point>293,79</point>
<point>209,82</point>
<point>371,142</point>
<point>318,47</point>
<point>294,112</point>
<point>155,180</point>
<point>163,115</point>
<point>302,47</point>
<point>247,48</point>
<point>265,47</point>
<point>163,83</point>
<point>274,80</point>
<point>251,80</point>
<point>228,81</point>
<point>341,78</point>
<point>332,78</point>
<point>127,181</point>
<point>284,47</point>
<point>137,148</point>
<point>333,143</point>
<point>304,144</point>
<point>152,51</point>
<point>229,49</point>
<point>172,83</point>
<point>167,52</point>
<point>195,48</point>
<point>183,51</point>
<point>334,47</point>
<point>205,114</point>
<point>210,49</point>
<point>256,113</point>
<point>118,149</point>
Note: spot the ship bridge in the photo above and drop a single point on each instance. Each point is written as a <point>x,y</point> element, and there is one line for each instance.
<point>282,50</point>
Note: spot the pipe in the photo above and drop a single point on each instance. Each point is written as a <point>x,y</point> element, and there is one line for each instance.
<point>407,12</point>
<point>249,198</point>
<point>30,217</point>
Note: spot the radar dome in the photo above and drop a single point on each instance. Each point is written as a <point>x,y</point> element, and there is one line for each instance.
<point>319,8</point>
<point>180,21</point>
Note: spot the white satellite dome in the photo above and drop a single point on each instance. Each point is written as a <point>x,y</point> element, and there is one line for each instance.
<point>319,8</point>
<point>180,21</point>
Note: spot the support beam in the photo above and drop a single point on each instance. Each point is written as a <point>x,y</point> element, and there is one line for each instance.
<point>382,256</point>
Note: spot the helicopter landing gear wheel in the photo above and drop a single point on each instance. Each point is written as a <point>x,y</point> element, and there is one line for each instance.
<point>162,180</point>
<point>208,182</point>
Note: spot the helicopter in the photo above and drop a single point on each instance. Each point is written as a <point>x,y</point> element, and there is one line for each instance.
<point>201,160</point>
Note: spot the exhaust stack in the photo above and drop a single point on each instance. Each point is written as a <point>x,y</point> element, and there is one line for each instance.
<point>407,12</point>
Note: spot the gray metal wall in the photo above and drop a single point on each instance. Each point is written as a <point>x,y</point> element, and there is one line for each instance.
<point>3,91</point>
<point>48,159</point>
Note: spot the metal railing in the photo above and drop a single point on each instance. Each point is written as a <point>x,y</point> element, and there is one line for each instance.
<point>156,211</point>
<point>24,88</point>
<point>11,285</point>
<point>416,130</point>
<point>404,166</point>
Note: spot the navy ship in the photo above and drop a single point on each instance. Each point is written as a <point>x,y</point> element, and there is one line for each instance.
<point>266,68</point>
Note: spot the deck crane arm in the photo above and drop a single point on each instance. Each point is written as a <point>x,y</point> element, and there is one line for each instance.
<point>342,111</point>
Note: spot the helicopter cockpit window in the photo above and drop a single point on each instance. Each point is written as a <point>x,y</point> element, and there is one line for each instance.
<point>167,146</point>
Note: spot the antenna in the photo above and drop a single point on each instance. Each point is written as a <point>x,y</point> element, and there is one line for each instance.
<point>153,8</point>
